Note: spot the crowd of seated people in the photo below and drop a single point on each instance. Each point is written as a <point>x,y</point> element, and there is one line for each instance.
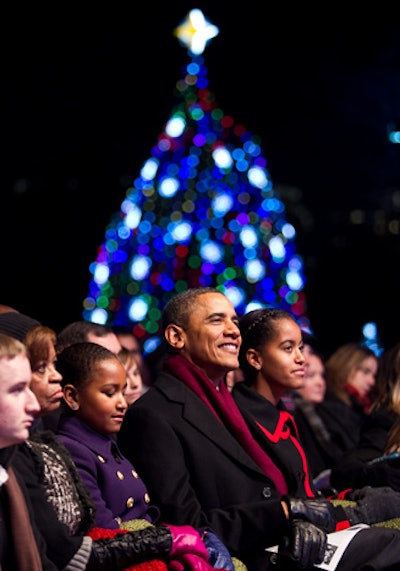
<point>200,428</point>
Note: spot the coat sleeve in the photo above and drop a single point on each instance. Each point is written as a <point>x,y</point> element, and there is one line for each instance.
<point>60,545</point>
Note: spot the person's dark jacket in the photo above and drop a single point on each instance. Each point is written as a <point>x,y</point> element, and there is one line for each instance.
<point>342,421</point>
<point>197,472</point>
<point>355,470</point>
<point>61,546</point>
<point>275,430</point>
<point>321,452</point>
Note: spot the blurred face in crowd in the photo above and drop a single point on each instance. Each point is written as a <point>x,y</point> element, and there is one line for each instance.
<point>363,378</point>
<point>109,341</point>
<point>314,386</point>
<point>134,383</point>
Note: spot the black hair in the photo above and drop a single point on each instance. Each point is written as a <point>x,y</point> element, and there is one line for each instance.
<point>179,307</point>
<point>77,362</point>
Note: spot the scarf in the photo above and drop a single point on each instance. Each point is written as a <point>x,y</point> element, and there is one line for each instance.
<point>25,548</point>
<point>363,401</point>
<point>224,408</point>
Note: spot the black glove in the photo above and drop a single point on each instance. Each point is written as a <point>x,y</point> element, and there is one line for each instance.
<point>126,549</point>
<point>320,512</point>
<point>305,544</point>
<point>384,473</point>
<point>374,505</point>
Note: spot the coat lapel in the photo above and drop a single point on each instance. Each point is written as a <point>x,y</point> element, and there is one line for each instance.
<point>197,414</point>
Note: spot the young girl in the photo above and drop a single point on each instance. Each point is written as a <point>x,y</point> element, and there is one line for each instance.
<point>134,382</point>
<point>272,360</point>
<point>94,383</point>
<point>350,377</point>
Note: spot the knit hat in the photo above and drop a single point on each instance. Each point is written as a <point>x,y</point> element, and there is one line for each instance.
<point>16,324</point>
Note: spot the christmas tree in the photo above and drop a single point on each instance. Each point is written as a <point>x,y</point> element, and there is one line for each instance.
<point>202,212</point>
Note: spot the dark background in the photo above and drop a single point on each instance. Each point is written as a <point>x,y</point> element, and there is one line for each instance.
<point>88,92</point>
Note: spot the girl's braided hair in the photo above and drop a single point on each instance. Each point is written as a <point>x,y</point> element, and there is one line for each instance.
<point>257,327</point>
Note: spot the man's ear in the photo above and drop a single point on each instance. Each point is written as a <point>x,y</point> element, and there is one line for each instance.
<point>71,397</point>
<point>174,336</point>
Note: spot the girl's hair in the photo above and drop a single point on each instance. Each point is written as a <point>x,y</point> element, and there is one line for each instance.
<point>128,358</point>
<point>341,363</point>
<point>78,362</point>
<point>386,392</point>
<point>393,438</point>
<point>257,328</point>
<point>38,341</point>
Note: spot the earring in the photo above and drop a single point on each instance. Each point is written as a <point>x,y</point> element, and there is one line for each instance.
<point>74,406</point>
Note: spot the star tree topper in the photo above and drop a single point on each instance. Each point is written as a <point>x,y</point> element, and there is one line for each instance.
<point>195,32</point>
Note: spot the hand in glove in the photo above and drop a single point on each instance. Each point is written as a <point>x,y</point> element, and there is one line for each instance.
<point>384,473</point>
<point>305,544</point>
<point>320,512</point>
<point>373,505</point>
<point>186,539</point>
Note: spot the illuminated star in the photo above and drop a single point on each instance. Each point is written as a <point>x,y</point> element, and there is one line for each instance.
<point>195,32</point>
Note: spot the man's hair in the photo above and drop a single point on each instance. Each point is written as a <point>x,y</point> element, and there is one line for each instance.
<point>77,332</point>
<point>179,307</point>
<point>11,347</point>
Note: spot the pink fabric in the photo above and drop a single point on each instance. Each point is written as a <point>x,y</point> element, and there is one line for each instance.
<point>190,562</point>
<point>221,403</point>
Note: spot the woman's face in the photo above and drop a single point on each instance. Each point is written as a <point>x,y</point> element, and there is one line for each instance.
<point>363,378</point>
<point>46,382</point>
<point>314,387</point>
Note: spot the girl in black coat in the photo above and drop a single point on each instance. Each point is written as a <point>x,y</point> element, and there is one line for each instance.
<point>355,469</point>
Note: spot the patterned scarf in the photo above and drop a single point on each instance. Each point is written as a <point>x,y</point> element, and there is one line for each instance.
<point>222,405</point>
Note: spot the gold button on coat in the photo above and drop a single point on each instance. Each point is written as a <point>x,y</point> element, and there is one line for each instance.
<point>120,475</point>
<point>130,502</point>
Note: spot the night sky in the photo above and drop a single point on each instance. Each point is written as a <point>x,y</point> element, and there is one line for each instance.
<point>88,93</point>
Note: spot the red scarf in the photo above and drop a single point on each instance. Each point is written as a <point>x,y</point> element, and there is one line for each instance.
<point>364,402</point>
<point>222,405</point>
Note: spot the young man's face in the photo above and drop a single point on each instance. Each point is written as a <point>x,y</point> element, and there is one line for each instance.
<point>212,339</point>
<point>18,404</point>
